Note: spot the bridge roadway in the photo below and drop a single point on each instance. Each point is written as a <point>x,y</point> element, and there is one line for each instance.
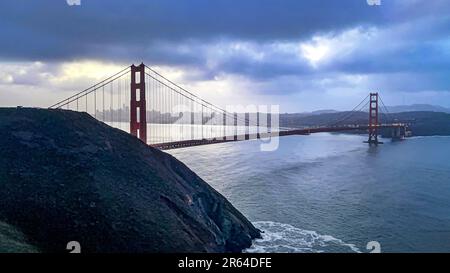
<point>242,137</point>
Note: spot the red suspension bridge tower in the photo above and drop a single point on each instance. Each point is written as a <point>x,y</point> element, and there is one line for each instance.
<point>138,110</point>
<point>373,119</point>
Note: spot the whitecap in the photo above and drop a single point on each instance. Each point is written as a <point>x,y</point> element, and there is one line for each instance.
<point>426,137</point>
<point>285,238</point>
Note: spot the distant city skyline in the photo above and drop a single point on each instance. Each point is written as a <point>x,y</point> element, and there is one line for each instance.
<point>301,55</point>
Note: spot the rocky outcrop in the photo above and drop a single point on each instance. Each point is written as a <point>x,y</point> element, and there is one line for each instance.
<point>65,176</point>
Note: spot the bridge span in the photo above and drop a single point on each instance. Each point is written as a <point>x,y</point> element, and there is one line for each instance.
<point>166,116</point>
<point>293,132</point>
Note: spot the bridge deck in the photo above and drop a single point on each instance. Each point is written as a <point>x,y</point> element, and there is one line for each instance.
<point>242,137</point>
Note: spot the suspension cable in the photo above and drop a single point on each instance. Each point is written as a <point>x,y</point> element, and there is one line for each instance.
<point>68,100</point>
<point>347,115</point>
<point>387,114</point>
<point>195,96</point>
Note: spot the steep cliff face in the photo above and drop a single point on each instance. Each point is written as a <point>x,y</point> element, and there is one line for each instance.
<point>65,176</point>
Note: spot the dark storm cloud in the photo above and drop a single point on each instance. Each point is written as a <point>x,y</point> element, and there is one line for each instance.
<point>219,37</point>
<point>54,24</point>
<point>50,29</point>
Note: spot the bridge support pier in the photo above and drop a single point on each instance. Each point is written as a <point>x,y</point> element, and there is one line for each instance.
<point>373,120</point>
<point>138,110</point>
<point>398,133</point>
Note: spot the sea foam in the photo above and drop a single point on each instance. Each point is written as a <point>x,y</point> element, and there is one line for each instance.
<point>285,238</point>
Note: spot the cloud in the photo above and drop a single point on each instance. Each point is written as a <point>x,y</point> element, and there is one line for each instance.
<point>49,29</point>
<point>296,49</point>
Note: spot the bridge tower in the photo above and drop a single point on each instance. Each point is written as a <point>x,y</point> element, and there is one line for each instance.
<point>373,119</point>
<point>138,111</point>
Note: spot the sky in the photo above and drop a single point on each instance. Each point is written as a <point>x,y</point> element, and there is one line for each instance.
<point>301,55</point>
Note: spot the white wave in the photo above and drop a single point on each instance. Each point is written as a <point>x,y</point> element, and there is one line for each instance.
<point>284,238</point>
<point>425,137</point>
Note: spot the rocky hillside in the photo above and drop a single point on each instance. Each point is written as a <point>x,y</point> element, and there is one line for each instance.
<point>65,176</point>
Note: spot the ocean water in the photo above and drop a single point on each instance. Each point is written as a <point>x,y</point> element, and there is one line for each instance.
<point>333,193</point>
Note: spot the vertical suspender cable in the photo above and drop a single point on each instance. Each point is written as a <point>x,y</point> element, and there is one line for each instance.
<point>160,133</point>
<point>95,103</point>
<point>119,108</point>
<point>111,103</point>
<point>103,102</point>
<point>202,121</point>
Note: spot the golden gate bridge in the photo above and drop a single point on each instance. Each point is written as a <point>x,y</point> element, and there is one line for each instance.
<point>165,115</point>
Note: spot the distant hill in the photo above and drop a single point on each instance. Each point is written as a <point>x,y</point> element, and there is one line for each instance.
<point>391,109</point>
<point>320,112</point>
<point>417,108</point>
<point>422,123</point>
